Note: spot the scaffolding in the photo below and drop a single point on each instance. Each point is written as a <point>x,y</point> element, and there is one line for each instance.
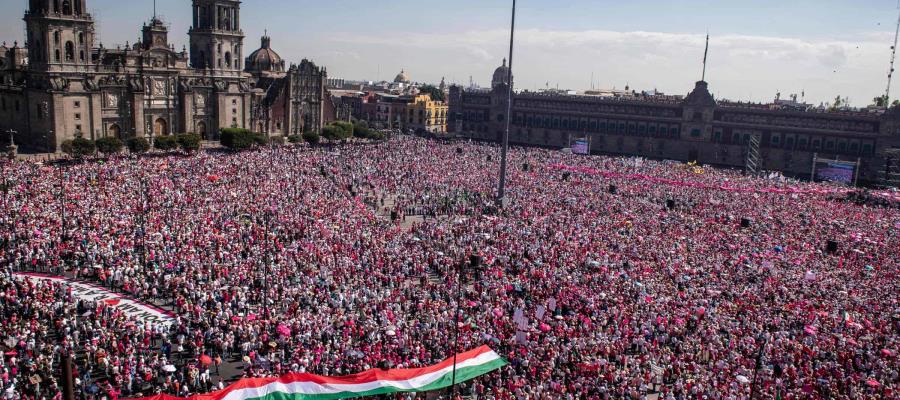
<point>890,174</point>
<point>754,157</point>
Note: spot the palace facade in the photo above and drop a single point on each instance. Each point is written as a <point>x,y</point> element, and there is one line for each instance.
<point>695,127</point>
<point>61,85</point>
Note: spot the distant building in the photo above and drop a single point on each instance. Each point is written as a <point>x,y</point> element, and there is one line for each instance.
<point>426,115</point>
<point>692,128</point>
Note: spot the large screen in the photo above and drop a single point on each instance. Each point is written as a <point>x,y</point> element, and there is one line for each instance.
<point>833,171</point>
<point>580,147</point>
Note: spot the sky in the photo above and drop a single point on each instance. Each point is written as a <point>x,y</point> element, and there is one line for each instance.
<point>823,48</point>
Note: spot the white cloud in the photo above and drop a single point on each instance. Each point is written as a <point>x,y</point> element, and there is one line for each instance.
<point>740,66</point>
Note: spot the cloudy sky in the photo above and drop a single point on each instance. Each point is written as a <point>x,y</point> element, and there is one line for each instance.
<point>757,48</point>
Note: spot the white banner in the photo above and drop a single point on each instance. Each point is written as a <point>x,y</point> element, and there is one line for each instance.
<point>141,312</point>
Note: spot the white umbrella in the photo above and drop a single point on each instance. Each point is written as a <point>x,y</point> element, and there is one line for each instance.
<point>742,379</point>
<point>168,368</point>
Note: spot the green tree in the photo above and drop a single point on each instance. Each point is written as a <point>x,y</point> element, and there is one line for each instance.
<point>238,138</point>
<point>361,130</point>
<point>311,137</point>
<point>138,145</point>
<point>435,92</point>
<point>294,138</point>
<point>337,131</point>
<point>79,147</point>
<point>165,143</point>
<point>189,142</point>
<point>109,145</point>
<point>880,101</point>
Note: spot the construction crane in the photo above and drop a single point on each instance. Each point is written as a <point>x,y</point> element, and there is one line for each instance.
<point>887,93</point>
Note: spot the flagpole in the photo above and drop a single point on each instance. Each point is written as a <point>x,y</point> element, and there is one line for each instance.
<point>501,191</point>
<point>705,53</point>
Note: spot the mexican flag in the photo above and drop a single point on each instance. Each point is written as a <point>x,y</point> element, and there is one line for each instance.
<point>297,386</point>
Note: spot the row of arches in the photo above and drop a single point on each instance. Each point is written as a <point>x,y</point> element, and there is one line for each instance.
<point>160,128</point>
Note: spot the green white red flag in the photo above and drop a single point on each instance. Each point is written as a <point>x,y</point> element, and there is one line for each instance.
<point>303,386</point>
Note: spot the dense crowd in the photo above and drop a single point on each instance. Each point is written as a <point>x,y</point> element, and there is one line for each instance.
<point>311,259</point>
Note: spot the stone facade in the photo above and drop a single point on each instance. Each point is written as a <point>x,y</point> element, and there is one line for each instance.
<point>60,85</point>
<point>695,128</point>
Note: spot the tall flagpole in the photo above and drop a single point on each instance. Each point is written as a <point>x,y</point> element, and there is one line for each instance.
<point>501,192</point>
<point>705,53</point>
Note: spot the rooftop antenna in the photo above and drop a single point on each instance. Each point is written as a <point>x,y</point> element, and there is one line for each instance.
<point>705,53</point>
<point>887,93</point>
<point>154,10</point>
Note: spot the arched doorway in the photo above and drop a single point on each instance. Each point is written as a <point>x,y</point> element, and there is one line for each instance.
<point>114,131</point>
<point>160,127</point>
<point>201,129</point>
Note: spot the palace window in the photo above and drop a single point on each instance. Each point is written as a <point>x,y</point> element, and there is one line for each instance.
<point>77,104</point>
<point>695,132</point>
<point>78,116</point>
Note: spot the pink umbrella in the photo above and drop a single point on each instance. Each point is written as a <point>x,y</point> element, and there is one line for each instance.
<point>545,328</point>
<point>283,330</point>
<point>873,383</point>
<point>887,353</point>
<point>251,317</point>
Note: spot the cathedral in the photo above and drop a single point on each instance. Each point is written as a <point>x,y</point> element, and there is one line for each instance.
<point>60,85</point>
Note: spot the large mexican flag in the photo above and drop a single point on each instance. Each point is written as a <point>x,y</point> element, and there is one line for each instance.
<point>296,386</point>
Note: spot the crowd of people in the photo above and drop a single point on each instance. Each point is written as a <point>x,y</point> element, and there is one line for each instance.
<point>316,259</point>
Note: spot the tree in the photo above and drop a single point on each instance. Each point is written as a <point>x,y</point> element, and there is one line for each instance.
<point>361,130</point>
<point>346,127</point>
<point>880,101</point>
<point>311,137</point>
<point>238,138</point>
<point>138,145</point>
<point>109,145</point>
<point>336,131</point>
<point>294,138</point>
<point>189,142</point>
<point>435,92</point>
<point>79,147</point>
<point>166,143</point>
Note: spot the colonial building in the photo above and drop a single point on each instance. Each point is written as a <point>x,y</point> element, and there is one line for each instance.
<point>62,85</point>
<point>695,128</point>
<point>426,115</point>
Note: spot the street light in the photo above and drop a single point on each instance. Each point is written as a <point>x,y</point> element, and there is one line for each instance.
<point>474,262</point>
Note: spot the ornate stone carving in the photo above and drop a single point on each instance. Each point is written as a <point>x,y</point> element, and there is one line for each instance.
<point>136,84</point>
<point>111,100</point>
<point>159,87</point>
<point>90,84</point>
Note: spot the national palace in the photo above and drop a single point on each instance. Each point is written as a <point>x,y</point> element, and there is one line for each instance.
<point>696,127</point>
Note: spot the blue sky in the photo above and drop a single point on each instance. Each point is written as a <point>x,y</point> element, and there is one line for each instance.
<point>758,47</point>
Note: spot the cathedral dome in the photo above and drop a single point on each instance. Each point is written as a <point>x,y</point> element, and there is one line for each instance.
<point>402,77</point>
<point>265,59</point>
<point>501,75</point>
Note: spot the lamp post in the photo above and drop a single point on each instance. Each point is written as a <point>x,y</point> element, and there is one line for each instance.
<point>473,261</point>
<point>501,191</point>
<point>64,238</point>
<point>759,360</point>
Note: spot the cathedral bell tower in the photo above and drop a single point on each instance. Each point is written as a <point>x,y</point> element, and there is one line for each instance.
<point>60,35</point>
<point>216,36</point>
